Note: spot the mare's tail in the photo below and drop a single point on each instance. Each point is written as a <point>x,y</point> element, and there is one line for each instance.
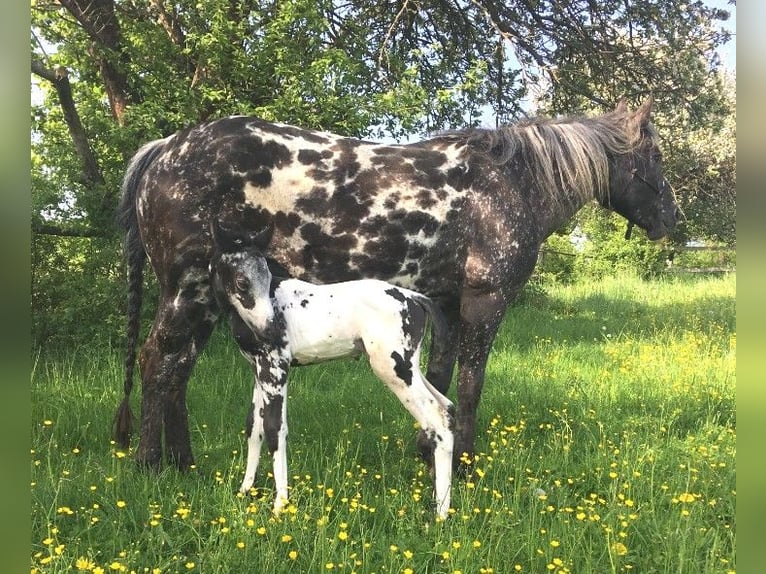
<point>135,257</point>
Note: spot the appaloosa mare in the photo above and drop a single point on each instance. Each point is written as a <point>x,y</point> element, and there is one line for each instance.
<point>459,217</point>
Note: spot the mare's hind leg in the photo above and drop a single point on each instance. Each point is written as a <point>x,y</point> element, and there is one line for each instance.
<point>443,352</point>
<point>180,331</point>
<point>441,365</point>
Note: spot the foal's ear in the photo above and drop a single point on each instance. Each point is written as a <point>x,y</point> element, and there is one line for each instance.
<point>224,241</point>
<point>229,240</point>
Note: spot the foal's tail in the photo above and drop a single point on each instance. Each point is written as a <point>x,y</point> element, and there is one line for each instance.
<point>135,257</point>
<point>439,328</point>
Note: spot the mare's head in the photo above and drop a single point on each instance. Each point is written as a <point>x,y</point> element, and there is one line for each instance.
<point>638,189</point>
<point>241,282</point>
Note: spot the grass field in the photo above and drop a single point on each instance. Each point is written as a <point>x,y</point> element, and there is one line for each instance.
<point>607,442</point>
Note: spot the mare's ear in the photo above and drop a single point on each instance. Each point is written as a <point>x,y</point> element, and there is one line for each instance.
<point>638,120</point>
<point>622,106</point>
<point>644,112</point>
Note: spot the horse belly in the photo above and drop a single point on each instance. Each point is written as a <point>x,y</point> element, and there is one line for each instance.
<point>315,344</point>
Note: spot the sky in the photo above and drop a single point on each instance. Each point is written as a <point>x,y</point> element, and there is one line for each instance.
<point>728,51</point>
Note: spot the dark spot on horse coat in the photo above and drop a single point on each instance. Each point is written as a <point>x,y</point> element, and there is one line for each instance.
<point>259,177</point>
<point>314,202</point>
<point>459,178</point>
<point>346,209</point>
<point>330,252</point>
<point>250,421</point>
<point>417,221</point>
<point>292,132</point>
<point>396,294</point>
<point>371,226</point>
<point>392,201</point>
<point>272,421</point>
<point>383,257</point>
<point>411,268</point>
<point>347,165</point>
<point>253,155</point>
<point>286,223</point>
<point>403,366</point>
<point>309,156</point>
<point>426,199</point>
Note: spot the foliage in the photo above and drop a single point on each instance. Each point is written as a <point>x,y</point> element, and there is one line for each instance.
<point>703,167</point>
<point>112,75</point>
<point>594,245</point>
<point>607,443</point>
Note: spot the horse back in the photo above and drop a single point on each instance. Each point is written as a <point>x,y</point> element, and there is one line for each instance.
<point>338,208</point>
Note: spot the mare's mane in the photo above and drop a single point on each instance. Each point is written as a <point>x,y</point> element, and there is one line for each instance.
<point>568,157</point>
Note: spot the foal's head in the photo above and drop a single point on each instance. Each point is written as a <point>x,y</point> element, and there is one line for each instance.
<point>241,282</point>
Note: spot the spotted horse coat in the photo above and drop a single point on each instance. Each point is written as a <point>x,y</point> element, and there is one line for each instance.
<point>459,217</point>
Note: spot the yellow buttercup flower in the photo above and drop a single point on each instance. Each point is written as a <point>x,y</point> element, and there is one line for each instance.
<point>619,548</point>
<point>83,563</point>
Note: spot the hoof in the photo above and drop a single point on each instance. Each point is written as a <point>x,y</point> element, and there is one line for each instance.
<point>149,461</point>
<point>182,462</point>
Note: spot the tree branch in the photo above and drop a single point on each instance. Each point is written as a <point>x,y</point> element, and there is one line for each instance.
<point>99,21</point>
<point>169,23</point>
<point>56,231</point>
<point>60,79</point>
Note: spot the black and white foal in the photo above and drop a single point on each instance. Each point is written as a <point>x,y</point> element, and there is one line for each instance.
<point>283,322</point>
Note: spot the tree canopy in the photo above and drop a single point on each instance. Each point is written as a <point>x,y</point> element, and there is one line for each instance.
<point>109,75</point>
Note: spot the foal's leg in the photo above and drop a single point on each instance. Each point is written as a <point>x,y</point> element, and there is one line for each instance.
<point>272,373</point>
<point>254,432</point>
<point>431,410</point>
<point>275,423</point>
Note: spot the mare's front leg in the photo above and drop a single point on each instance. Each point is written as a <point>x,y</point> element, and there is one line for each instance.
<point>481,315</point>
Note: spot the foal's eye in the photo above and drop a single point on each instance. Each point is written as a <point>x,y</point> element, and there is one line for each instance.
<point>241,283</point>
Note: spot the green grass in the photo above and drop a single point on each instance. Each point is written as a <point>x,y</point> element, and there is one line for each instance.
<point>607,443</point>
